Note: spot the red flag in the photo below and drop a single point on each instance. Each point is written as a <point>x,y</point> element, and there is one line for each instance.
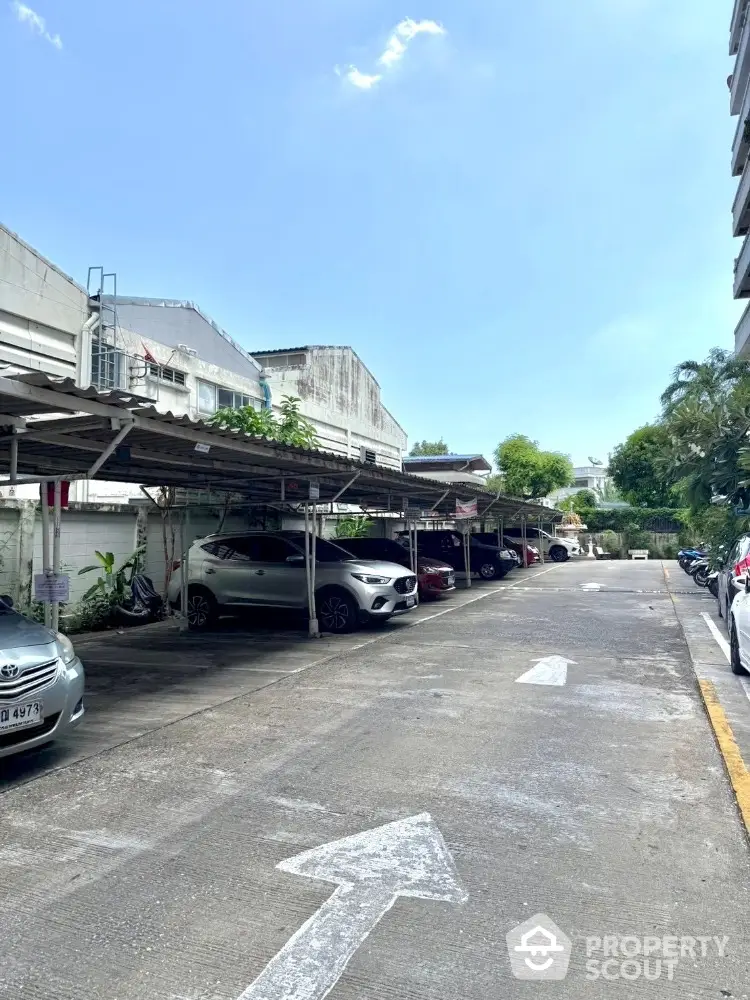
<point>148,355</point>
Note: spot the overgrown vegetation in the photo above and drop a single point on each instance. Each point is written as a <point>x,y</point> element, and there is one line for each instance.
<point>356,526</point>
<point>292,428</point>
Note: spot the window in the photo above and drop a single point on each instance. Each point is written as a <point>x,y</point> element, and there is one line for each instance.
<point>107,366</point>
<point>165,374</point>
<point>261,548</point>
<point>219,549</point>
<point>212,398</point>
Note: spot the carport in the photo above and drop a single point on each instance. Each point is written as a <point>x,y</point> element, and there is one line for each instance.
<point>52,431</point>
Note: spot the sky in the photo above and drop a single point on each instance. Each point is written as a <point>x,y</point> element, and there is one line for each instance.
<point>518,215</point>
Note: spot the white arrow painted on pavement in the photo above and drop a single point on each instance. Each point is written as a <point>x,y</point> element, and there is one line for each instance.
<point>372,869</point>
<point>550,670</point>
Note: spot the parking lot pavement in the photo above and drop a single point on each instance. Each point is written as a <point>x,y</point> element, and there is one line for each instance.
<point>149,871</point>
<point>139,680</point>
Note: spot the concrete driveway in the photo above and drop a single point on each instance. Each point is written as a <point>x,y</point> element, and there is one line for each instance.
<point>597,799</point>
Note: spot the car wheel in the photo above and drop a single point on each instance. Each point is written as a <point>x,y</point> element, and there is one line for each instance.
<point>337,612</point>
<point>734,648</point>
<point>558,553</point>
<point>202,609</point>
<point>488,571</point>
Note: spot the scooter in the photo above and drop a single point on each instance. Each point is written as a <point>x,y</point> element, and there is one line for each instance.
<point>713,583</point>
<point>700,572</point>
<point>687,557</point>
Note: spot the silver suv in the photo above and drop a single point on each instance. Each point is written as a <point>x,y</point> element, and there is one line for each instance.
<point>267,569</point>
<point>41,683</point>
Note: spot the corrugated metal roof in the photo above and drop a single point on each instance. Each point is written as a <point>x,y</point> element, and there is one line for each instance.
<point>169,449</point>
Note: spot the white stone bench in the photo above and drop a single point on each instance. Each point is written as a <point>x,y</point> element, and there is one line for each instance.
<point>638,553</point>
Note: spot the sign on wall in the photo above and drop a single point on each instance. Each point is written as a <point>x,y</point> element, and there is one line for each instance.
<point>51,589</point>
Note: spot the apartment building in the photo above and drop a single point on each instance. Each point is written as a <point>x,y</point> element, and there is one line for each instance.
<point>739,104</point>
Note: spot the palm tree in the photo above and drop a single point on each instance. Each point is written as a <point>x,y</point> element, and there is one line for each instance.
<point>705,381</point>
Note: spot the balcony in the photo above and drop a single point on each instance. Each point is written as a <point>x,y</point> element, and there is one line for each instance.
<point>738,19</point>
<point>741,145</point>
<point>741,207</point>
<point>742,335</point>
<point>742,272</point>
<point>741,69</point>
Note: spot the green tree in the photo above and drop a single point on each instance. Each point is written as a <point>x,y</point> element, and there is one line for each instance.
<point>639,468</point>
<point>429,448</point>
<point>578,502</point>
<point>527,471</point>
<point>705,382</point>
<point>496,483</point>
<point>292,428</point>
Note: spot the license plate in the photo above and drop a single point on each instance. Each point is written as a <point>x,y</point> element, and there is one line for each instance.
<point>410,602</point>
<point>20,716</point>
<point>451,581</point>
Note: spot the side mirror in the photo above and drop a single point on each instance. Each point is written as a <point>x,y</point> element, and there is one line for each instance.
<point>741,582</point>
<point>6,599</point>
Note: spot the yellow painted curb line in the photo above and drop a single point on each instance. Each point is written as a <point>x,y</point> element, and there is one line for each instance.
<point>735,765</point>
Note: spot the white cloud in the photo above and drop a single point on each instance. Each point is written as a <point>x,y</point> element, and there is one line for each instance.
<point>36,22</point>
<point>363,81</point>
<point>394,51</point>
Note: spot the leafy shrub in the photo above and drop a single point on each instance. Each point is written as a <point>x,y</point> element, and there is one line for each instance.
<point>633,537</point>
<point>356,526</point>
<point>610,542</point>
<point>669,551</point>
<point>599,519</point>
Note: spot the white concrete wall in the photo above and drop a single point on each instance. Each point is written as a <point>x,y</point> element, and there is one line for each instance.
<point>83,531</point>
<point>41,311</point>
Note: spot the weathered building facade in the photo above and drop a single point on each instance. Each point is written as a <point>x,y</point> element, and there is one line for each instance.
<point>340,396</point>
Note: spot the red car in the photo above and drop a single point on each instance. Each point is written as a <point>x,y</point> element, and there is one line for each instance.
<point>434,578</point>
<point>490,538</point>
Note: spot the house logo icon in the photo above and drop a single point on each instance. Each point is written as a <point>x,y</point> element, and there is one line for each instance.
<point>538,949</point>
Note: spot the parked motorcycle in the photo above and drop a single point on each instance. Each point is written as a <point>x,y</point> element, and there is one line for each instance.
<point>143,604</point>
<point>713,583</point>
<point>700,572</point>
<point>686,557</point>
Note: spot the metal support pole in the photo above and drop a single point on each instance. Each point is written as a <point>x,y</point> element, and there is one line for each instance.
<point>14,456</point>
<point>467,555</point>
<point>524,541</point>
<point>540,542</point>
<point>411,529</point>
<point>184,568</point>
<point>313,630</point>
<point>46,562</point>
<point>56,557</point>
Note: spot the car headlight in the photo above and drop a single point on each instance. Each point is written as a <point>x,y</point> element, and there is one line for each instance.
<point>366,578</point>
<point>65,648</point>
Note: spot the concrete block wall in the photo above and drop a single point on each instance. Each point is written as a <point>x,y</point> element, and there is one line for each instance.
<point>81,534</point>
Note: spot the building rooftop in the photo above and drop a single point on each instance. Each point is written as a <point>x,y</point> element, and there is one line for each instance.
<point>475,463</point>
<point>164,323</point>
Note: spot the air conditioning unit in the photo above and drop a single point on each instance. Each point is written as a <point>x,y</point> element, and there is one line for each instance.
<point>367,456</point>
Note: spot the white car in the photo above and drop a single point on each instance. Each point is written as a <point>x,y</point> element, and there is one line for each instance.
<point>739,628</point>
<point>556,549</point>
